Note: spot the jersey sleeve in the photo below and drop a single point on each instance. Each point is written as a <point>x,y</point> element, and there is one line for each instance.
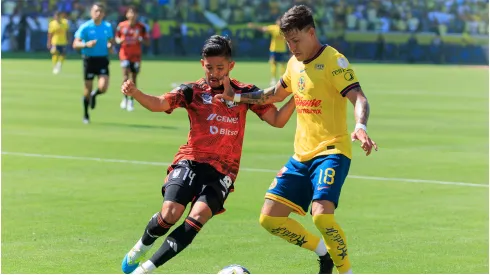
<point>110,31</point>
<point>286,79</point>
<point>144,33</point>
<point>80,33</point>
<point>51,27</point>
<point>180,97</point>
<point>341,74</point>
<point>118,31</point>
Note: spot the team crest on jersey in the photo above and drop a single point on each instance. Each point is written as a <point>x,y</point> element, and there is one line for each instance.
<point>230,104</point>
<point>207,98</point>
<point>301,84</point>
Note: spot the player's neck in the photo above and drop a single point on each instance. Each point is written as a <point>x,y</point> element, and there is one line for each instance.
<point>132,22</point>
<point>98,22</point>
<point>315,52</point>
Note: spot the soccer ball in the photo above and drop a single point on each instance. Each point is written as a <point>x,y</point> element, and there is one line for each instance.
<point>234,269</point>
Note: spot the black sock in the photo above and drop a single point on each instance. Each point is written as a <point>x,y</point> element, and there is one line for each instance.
<point>86,102</point>
<point>156,228</point>
<point>98,92</point>
<point>177,241</point>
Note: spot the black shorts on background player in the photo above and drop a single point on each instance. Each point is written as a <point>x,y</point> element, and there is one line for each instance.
<point>190,181</point>
<point>95,66</point>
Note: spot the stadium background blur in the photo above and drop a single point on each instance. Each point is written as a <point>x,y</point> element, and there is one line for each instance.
<point>436,31</point>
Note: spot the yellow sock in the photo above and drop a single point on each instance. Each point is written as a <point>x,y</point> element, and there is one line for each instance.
<point>293,232</point>
<point>54,58</point>
<point>61,58</point>
<point>273,70</point>
<point>335,240</point>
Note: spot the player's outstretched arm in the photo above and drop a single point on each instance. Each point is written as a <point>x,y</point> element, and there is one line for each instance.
<point>150,102</point>
<point>270,95</point>
<point>361,112</point>
<point>279,118</point>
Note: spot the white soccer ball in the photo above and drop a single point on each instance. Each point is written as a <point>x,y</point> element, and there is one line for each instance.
<point>234,269</point>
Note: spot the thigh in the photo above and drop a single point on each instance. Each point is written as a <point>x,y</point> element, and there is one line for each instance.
<point>88,69</point>
<point>61,49</point>
<point>292,187</point>
<point>327,174</point>
<point>215,188</point>
<point>103,66</point>
<point>135,67</point>
<point>181,184</point>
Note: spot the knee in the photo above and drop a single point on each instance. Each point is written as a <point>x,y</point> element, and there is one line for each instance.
<point>270,223</point>
<point>323,221</point>
<point>172,211</point>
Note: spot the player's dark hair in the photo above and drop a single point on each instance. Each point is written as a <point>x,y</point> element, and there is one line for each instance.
<point>217,45</point>
<point>100,5</point>
<point>133,8</point>
<point>297,18</point>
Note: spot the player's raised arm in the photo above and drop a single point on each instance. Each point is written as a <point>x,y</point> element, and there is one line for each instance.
<point>279,118</point>
<point>150,102</point>
<point>270,95</point>
<point>179,97</point>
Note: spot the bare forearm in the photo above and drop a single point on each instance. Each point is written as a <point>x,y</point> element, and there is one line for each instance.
<point>150,102</point>
<point>260,97</point>
<point>361,110</point>
<point>285,113</point>
<point>78,44</point>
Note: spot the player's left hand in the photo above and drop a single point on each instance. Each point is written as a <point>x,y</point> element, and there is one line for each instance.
<point>228,93</point>
<point>367,143</point>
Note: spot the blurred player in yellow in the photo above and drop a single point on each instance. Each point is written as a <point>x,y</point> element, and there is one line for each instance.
<point>57,40</point>
<point>322,82</point>
<point>278,50</point>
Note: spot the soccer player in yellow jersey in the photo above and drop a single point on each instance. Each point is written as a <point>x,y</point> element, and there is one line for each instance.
<point>278,49</point>
<point>57,40</point>
<point>322,82</point>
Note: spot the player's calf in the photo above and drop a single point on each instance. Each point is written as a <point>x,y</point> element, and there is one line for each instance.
<point>335,239</point>
<point>180,238</point>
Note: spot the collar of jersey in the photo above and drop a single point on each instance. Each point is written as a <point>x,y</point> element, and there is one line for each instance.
<point>316,55</point>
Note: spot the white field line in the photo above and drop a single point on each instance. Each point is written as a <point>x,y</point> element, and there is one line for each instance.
<point>259,170</point>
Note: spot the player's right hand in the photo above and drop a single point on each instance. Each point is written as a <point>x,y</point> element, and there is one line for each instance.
<point>367,144</point>
<point>90,43</point>
<point>128,88</point>
<point>228,93</point>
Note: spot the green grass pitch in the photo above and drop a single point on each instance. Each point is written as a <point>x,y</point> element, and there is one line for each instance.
<point>409,208</point>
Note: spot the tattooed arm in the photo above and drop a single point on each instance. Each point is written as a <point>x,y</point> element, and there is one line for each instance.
<point>361,105</point>
<point>270,95</point>
<point>361,112</point>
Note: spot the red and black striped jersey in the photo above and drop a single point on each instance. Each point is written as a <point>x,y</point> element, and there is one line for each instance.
<point>216,128</point>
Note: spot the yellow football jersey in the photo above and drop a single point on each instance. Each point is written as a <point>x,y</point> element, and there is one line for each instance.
<point>278,43</point>
<point>59,32</point>
<point>319,86</point>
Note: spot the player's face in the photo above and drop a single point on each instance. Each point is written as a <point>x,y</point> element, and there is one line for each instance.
<point>301,43</point>
<point>97,13</point>
<point>130,15</point>
<point>215,68</point>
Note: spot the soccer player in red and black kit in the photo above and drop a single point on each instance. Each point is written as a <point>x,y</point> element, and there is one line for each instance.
<point>130,34</point>
<point>205,168</point>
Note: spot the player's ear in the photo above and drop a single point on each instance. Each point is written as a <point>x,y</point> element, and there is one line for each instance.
<point>202,62</point>
<point>231,65</point>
